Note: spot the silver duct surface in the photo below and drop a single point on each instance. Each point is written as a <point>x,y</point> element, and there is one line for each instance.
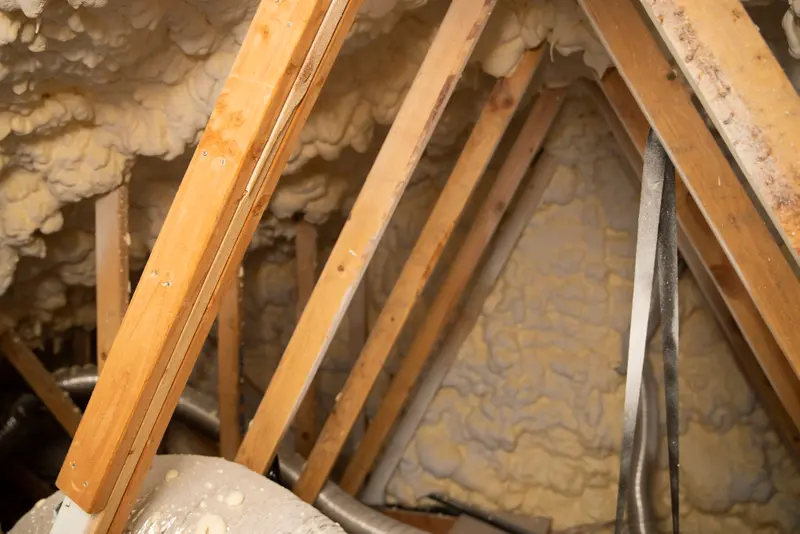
<point>198,411</point>
<point>641,517</point>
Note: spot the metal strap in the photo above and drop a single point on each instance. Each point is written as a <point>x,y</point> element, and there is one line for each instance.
<point>656,233</point>
<point>70,519</point>
<point>668,294</point>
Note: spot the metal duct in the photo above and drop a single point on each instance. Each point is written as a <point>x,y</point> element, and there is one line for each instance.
<point>199,411</point>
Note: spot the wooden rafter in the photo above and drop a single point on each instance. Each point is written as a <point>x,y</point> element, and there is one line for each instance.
<point>250,135</point>
<point>41,381</point>
<point>111,258</point>
<point>82,347</point>
<point>528,143</point>
<point>253,129</point>
<point>502,246</point>
<point>749,338</point>
<point>404,144</point>
<point>229,344</point>
<point>305,424</point>
<point>753,256</point>
<point>746,94</point>
<point>478,151</point>
<point>425,522</point>
<point>358,328</point>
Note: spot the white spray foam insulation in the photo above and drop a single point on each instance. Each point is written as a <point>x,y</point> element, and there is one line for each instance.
<point>529,417</point>
<point>94,93</point>
<point>93,89</point>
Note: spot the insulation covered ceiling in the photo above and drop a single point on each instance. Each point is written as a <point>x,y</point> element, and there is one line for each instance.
<point>94,93</point>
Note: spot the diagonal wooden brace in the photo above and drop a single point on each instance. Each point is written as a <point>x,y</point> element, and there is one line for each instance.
<point>478,151</point>
<point>423,106</point>
<point>255,123</point>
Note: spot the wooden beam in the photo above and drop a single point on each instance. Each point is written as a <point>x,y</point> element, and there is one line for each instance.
<point>469,168</point>
<point>111,263</point>
<point>744,239</point>
<point>407,138</point>
<point>335,27</point>
<point>41,381</point>
<point>424,521</point>
<point>229,345</point>
<point>358,330</point>
<point>504,243</point>
<point>749,338</point>
<point>221,199</point>
<point>514,168</point>
<point>305,424</point>
<point>81,346</point>
<point>745,92</point>
<point>281,142</point>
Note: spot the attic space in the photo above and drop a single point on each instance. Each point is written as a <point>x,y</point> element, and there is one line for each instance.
<point>430,324</point>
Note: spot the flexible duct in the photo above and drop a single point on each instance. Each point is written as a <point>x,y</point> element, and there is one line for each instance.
<point>199,411</point>
<point>641,518</point>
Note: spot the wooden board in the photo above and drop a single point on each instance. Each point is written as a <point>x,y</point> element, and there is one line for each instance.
<point>424,521</point>
<point>503,244</point>
<point>41,382</point>
<point>229,344</point>
<point>81,347</point>
<point>478,151</point>
<point>111,262</point>
<point>469,525</point>
<point>215,212</point>
<point>746,94</point>
<point>358,329</point>
<point>743,237</point>
<point>305,424</point>
<point>514,168</point>
<point>750,339</point>
<point>335,29</point>
<point>407,138</point>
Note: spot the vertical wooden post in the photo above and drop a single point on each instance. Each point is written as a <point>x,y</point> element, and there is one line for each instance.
<point>401,151</point>
<point>305,423</point>
<point>357,336</point>
<point>81,346</point>
<point>229,344</point>
<point>41,382</point>
<point>516,165</point>
<point>111,259</point>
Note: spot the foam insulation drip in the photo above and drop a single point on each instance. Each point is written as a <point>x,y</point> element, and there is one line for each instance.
<point>529,418</point>
<point>97,93</point>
